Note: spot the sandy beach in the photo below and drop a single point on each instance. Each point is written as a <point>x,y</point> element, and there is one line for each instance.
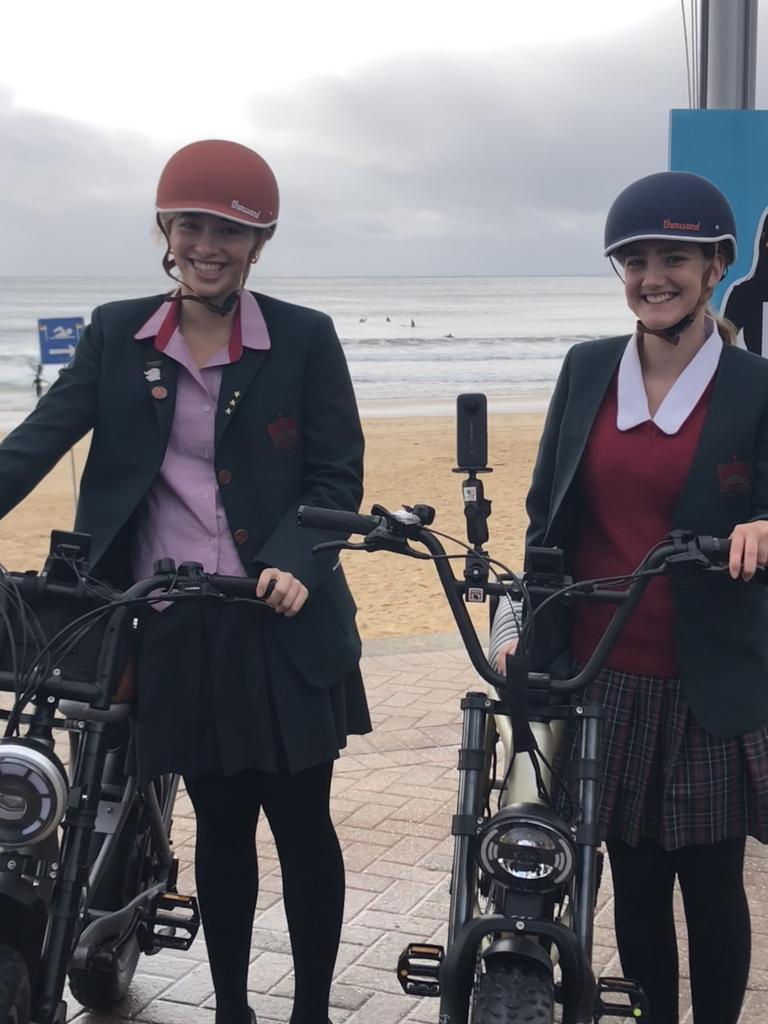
<point>408,460</point>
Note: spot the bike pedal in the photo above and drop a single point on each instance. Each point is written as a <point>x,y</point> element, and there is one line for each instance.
<point>418,969</point>
<point>171,923</point>
<point>634,1008</point>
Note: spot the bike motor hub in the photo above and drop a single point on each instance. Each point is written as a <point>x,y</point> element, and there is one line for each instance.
<point>33,792</point>
<point>526,847</point>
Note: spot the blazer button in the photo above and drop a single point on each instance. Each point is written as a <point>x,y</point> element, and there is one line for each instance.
<point>224,476</point>
<point>241,536</point>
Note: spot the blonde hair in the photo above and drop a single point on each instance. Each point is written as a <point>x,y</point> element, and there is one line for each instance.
<point>728,331</point>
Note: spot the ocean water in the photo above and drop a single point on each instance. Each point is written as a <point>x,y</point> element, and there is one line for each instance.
<point>421,340</point>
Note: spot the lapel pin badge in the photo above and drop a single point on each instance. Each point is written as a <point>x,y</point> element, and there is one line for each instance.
<point>153,375</point>
<point>232,403</point>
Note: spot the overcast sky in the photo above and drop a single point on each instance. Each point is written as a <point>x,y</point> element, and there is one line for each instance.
<point>408,136</point>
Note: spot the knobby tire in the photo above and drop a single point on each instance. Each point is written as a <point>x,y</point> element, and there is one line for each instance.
<point>515,993</point>
<point>15,995</point>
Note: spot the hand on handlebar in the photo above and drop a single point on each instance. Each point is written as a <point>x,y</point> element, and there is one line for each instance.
<point>501,656</point>
<point>286,596</point>
<point>749,549</point>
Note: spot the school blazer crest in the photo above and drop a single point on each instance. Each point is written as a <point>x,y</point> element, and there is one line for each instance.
<point>287,433</point>
<point>721,625</point>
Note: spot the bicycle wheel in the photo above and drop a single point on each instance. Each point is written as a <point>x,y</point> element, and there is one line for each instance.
<point>515,993</point>
<point>14,987</point>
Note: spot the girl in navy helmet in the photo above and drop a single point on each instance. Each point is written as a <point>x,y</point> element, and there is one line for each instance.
<point>668,429</point>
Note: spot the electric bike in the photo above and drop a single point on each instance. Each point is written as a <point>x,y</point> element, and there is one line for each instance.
<point>87,870</point>
<point>525,873</point>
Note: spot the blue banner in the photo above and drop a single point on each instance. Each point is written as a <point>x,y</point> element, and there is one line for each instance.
<point>730,147</point>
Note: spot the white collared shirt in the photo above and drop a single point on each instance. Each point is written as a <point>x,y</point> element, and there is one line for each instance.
<point>681,398</point>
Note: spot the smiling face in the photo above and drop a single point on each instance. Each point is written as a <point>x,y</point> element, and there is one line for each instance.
<point>212,254</point>
<point>663,281</point>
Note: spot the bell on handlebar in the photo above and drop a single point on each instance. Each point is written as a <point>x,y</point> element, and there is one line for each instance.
<point>425,513</point>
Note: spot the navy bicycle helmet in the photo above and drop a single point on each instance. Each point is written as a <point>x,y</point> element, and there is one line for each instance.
<point>672,205</point>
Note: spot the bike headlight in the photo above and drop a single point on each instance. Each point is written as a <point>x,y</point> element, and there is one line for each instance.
<point>33,792</point>
<point>526,847</point>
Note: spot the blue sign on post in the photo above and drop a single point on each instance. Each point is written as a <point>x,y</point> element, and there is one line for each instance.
<point>59,338</point>
<point>730,147</point>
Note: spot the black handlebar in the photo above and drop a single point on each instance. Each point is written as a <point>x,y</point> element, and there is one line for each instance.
<point>681,552</point>
<point>188,581</point>
<point>337,520</point>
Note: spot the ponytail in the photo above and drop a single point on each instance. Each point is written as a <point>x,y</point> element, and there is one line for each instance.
<point>728,331</point>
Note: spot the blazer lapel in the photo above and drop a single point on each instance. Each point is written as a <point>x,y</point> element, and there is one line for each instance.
<point>588,391</point>
<point>235,381</point>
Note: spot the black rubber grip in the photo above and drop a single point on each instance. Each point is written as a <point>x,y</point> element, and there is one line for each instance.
<point>335,519</point>
<point>717,549</point>
<point>234,586</point>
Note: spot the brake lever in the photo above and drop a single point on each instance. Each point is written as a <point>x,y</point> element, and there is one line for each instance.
<point>337,545</point>
<point>397,544</point>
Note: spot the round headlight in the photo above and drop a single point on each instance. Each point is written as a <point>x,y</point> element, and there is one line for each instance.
<point>526,847</point>
<point>33,792</point>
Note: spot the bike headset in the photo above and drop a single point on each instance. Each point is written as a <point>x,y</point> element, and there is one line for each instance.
<point>673,206</point>
<point>223,179</point>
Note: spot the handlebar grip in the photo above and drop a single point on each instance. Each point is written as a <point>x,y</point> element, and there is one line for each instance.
<point>234,586</point>
<point>717,549</point>
<point>336,519</point>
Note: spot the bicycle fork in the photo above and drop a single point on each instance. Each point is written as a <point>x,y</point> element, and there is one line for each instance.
<point>419,966</point>
<point>78,826</point>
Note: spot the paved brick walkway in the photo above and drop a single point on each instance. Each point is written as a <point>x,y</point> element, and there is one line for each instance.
<point>394,794</point>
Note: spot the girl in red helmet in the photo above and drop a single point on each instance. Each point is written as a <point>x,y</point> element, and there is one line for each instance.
<point>216,411</point>
<point>667,429</point>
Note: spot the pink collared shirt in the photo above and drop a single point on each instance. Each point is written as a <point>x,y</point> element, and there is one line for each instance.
<point>182,516</point>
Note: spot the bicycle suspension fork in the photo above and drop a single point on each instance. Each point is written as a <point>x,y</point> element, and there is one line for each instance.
<point>73,873</point>
<point>471,778</point>
<point>587,832</point>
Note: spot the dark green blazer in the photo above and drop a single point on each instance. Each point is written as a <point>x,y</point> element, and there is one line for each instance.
<point>721,625</point>
<point>292,438</point>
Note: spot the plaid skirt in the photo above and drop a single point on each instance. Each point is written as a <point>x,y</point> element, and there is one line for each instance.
<point>664,777</point>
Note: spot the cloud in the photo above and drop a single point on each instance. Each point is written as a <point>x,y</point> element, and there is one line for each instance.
<point>426,164</point>
<point>466,165</point>
<point>74,199</point>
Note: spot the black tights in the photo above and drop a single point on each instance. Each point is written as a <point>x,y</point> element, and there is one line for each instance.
<point>226,869</point>
<point>716,913</point>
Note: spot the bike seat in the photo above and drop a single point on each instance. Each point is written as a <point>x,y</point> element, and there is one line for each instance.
<point>79,709</point>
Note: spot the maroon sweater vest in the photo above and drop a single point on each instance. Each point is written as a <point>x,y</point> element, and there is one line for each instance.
<point>630,483</point>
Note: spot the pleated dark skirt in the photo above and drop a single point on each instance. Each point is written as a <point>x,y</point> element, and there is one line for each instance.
<point>215,696</point>
<point>664,776</point>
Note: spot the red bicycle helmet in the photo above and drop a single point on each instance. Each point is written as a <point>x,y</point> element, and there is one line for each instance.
<point>222,178</point>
